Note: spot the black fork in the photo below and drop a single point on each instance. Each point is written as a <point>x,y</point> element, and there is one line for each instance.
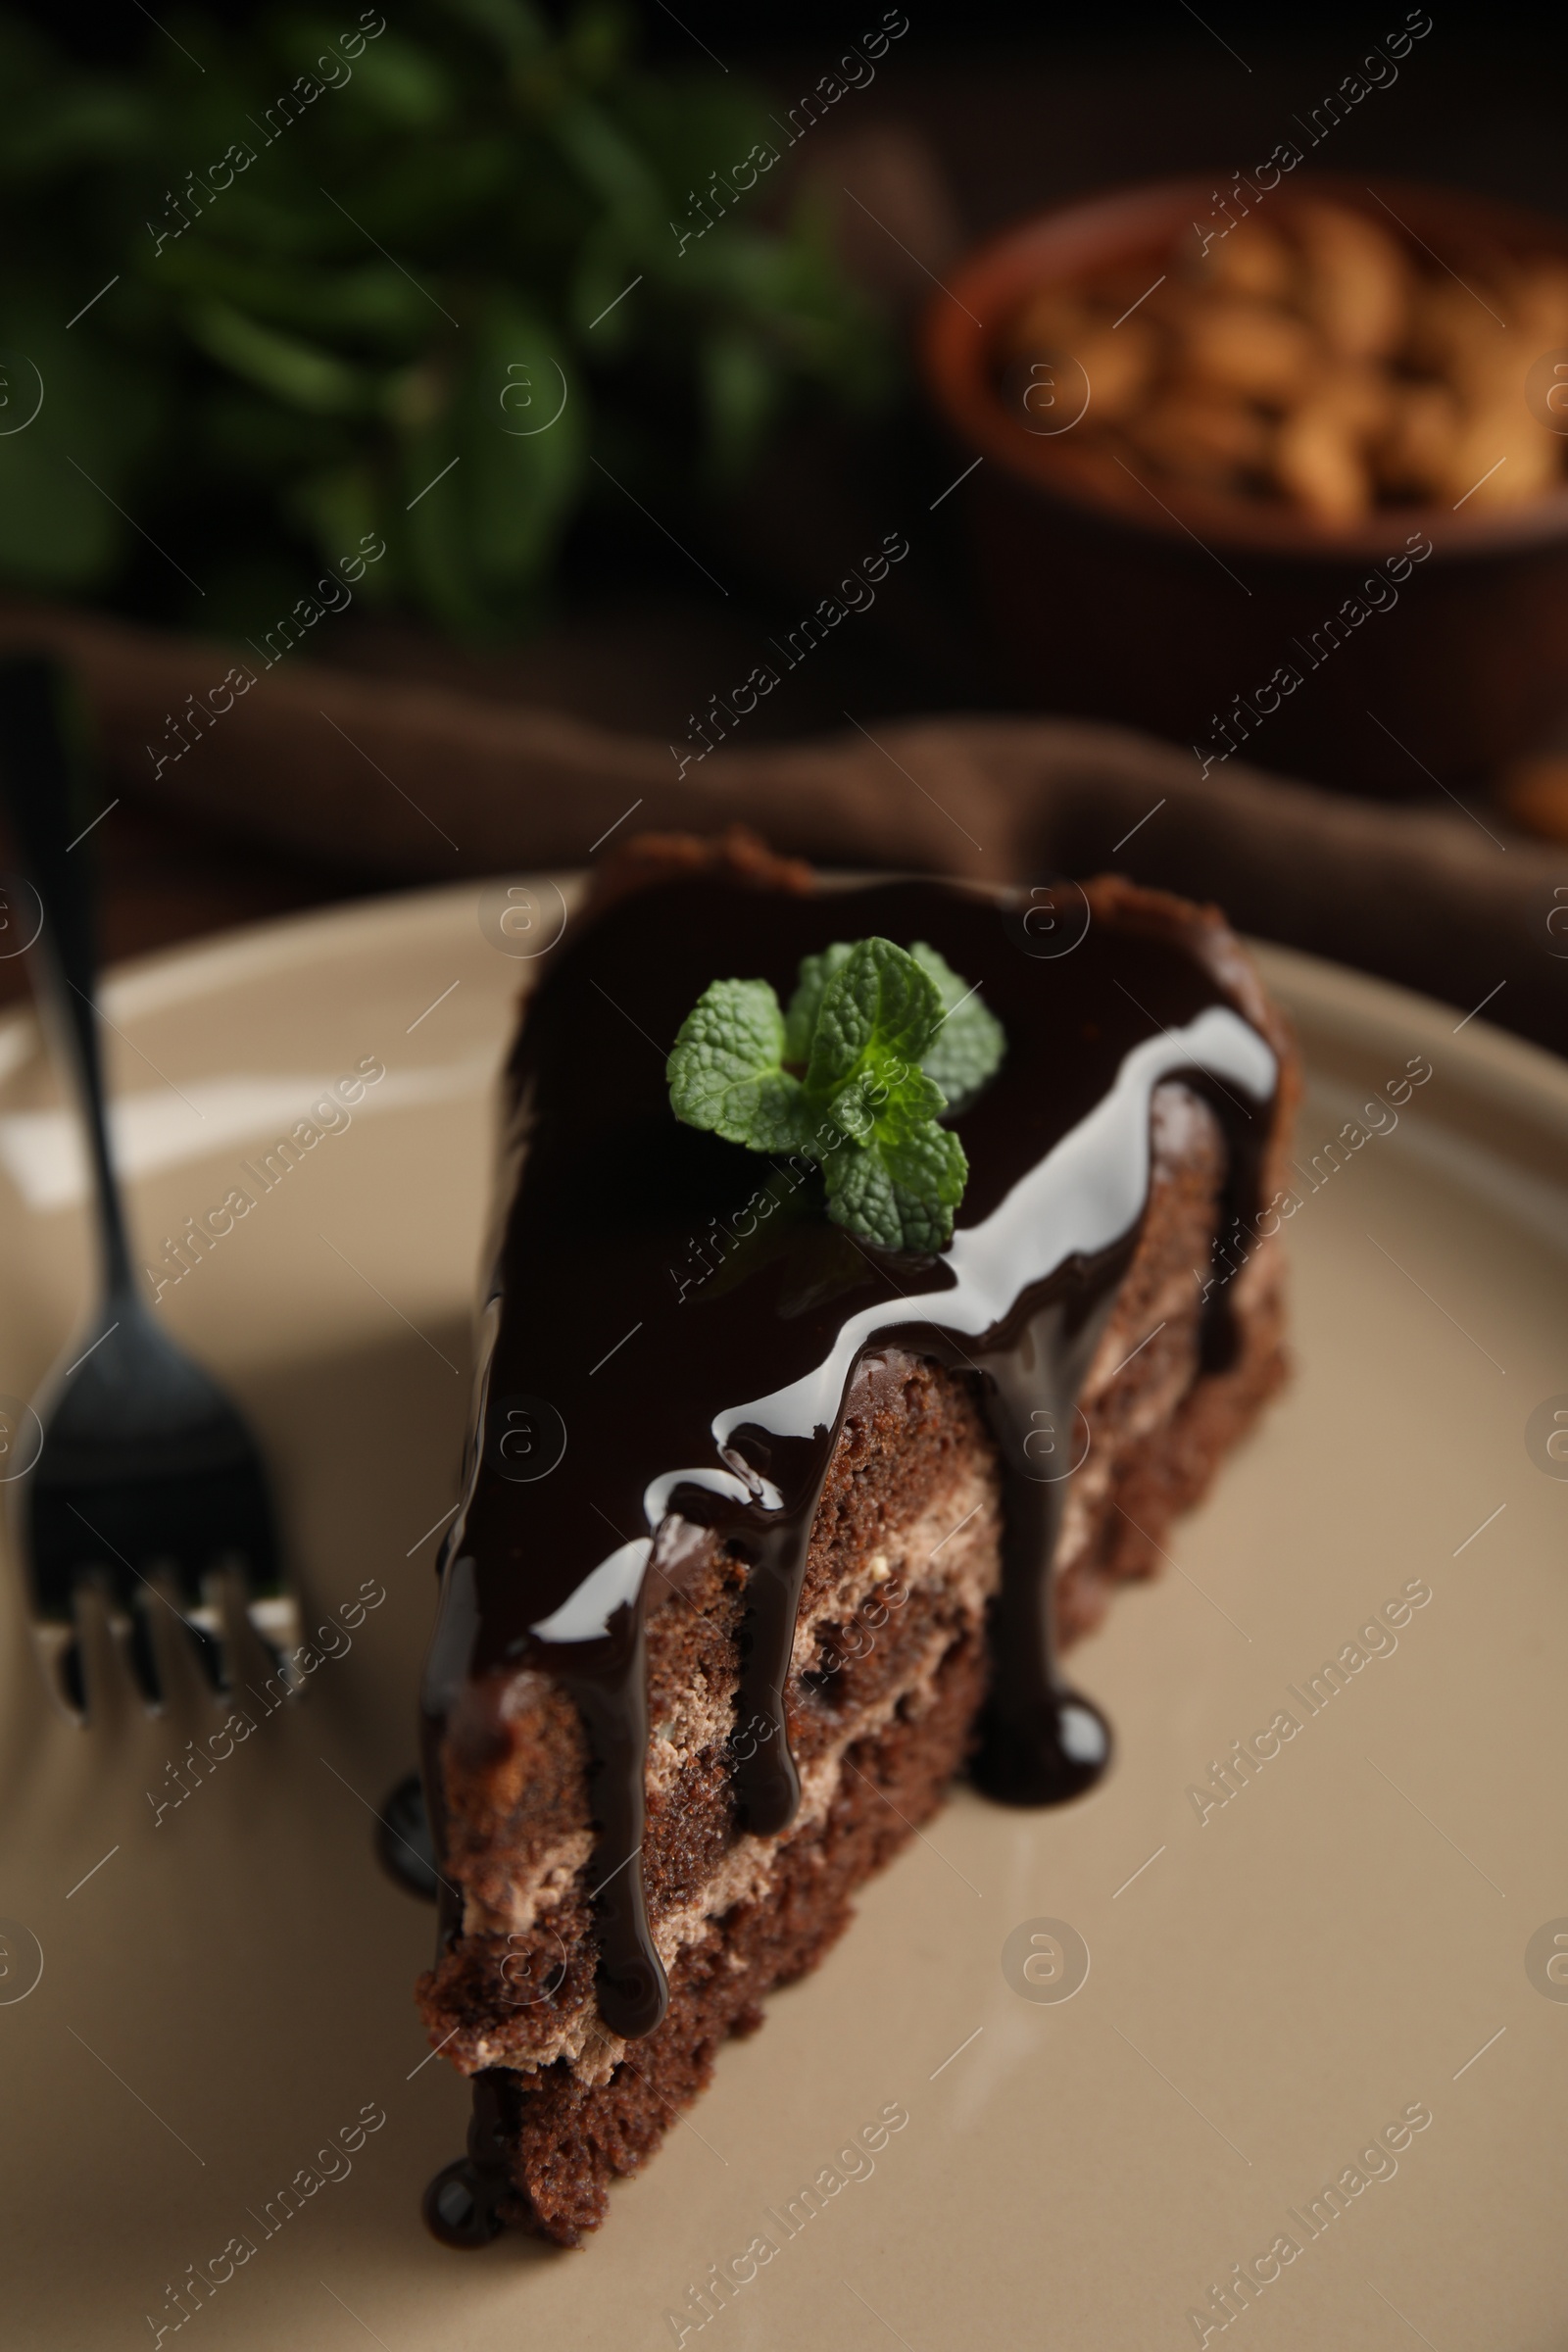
<point>149,1481</point>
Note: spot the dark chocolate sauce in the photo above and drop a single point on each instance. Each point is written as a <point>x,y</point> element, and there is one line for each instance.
<point>462,2205</point>
<point>683,1322</point>
<point>404,1846</point>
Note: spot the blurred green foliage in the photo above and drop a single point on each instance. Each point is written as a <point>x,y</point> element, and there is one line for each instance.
<point>349,250</point>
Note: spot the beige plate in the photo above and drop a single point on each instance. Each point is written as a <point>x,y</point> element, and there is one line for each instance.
<point>224,1989</point>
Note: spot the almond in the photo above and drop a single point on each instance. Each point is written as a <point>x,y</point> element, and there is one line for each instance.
<point>1200,440</point>
<point>1119,362</point>
<point>1318,465</point>
<point>1247,347</point>
<point>1356,284</point>
<point>1250,259</point>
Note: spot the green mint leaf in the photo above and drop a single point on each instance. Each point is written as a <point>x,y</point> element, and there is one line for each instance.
<point>888,1038</point>
<point>968,1046</point>
<point>885,1101</point>
<point>900,1195</point>
<point>878,1009</point>
<point>801,1020</point>
<point>726,1070</point>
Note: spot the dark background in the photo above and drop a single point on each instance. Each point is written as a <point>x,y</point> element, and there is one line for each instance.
<point>1017,107</point>
<point>1031,103</point>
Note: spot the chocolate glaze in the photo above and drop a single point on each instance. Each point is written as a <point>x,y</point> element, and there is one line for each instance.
<point>657,1279</point>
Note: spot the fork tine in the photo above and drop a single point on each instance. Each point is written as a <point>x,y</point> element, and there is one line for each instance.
<point>108,1691</point>
<point>247,1659</point>
<point>183,1688</point>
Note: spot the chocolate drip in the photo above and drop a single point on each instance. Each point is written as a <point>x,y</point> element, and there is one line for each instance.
<point>404,1846</point>
<point>766,1784</point>
<point>656,1279</point>
<point>1040,1741</point>
<point>463,2206</point>
<point>611,1696</point>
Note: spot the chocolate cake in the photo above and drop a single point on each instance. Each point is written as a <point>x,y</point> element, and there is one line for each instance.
<point>768,1532</point>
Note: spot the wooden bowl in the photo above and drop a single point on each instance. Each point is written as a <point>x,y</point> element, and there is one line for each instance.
<point>1122,596</point>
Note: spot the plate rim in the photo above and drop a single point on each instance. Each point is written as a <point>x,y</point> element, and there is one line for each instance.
<point>1332,998</point>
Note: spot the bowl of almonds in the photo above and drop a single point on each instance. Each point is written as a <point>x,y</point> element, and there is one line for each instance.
<point>1282,474</point>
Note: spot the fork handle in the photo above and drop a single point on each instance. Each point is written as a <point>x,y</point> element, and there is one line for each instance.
<point>43,775</point>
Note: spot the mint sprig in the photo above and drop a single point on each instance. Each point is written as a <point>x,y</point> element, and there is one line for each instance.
<point>878,1041</point>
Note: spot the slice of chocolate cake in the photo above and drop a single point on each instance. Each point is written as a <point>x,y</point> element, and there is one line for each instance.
<point>768,1529</point>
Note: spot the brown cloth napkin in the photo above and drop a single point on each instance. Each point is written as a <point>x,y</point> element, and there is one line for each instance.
<point>420,783</point>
